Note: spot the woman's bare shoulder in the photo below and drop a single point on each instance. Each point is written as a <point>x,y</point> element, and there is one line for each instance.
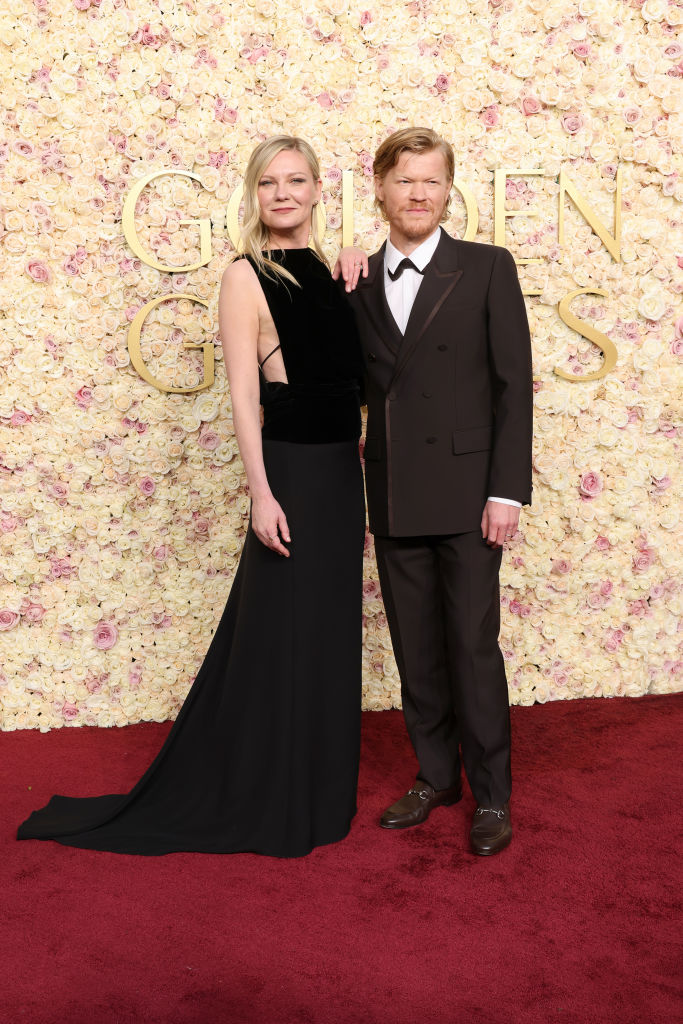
<point>239,272</point>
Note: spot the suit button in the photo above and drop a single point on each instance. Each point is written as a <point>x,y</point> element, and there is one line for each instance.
<point>426,394</point>
<point>442,348</point>
<point>372,358</point>
<point>391,396</point>
<point>430,440</point>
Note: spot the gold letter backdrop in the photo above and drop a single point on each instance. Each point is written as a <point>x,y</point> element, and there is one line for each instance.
<point>123,508</point>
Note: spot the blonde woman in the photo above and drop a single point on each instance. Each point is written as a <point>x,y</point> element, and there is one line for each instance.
<point>263,756</point>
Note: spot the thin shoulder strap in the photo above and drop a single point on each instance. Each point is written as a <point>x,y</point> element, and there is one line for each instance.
<point>262,364</point>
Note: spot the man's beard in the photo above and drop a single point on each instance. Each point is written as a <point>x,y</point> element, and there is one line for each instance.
<point>413,229</point>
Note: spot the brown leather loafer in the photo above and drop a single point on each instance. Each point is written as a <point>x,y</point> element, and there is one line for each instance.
<point>491,830</point>
<point>414,807</point>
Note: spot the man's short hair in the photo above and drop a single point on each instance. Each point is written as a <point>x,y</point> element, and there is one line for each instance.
<point>412,140</point>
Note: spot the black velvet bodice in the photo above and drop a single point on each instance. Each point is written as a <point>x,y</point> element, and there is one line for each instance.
<point>321,352</point>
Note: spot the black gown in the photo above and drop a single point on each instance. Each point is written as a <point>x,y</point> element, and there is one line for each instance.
<point>263,756</point>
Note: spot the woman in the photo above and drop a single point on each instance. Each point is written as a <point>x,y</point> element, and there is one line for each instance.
<point>263,756</point>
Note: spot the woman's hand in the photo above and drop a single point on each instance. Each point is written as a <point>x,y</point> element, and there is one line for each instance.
<point>350,263</point>
<point>269,523</point>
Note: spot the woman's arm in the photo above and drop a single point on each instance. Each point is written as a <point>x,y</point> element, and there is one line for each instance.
<point>238,319</point>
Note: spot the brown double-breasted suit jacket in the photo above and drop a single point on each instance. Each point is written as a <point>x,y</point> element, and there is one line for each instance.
<point>450,401</point>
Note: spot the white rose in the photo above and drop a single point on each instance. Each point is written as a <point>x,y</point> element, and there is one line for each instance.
<point>654,10</point>
<point>652,306</point>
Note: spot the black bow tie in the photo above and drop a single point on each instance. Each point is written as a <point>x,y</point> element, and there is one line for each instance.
<point>405,264</point>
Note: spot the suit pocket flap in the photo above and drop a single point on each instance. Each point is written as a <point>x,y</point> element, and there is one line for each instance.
<point>372,450</point>
<point>472,439</point>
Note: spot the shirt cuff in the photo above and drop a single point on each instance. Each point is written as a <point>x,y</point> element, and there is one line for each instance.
<point>507,501</point>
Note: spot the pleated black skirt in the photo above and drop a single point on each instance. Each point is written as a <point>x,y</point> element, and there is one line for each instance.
<point>263,756</point>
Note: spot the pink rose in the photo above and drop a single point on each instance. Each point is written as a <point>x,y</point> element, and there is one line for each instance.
<point>38,271</point>
<point>572,123</point>
<point>613,640</point>
<point>661,484</point>
<point>8,619</point>
<point>581,50</point>
<point>201,525</point>
<point>640,608</point>
<point>105,635</point>
<point>161,552</point>
<point>442,83</point>
<point>83,397</point>
<point>147,486</point>
<point>23,147</point>
<point>606,588</point>
<point>325,100</point>
<point>365,17</point>
<point>645,558</point>
<point>631,115</point>
<point>489,117</point>
<point>59,490</point>
<point>590,485</point>
<point>8,522</point>
<point>209,440</point>
<point>19,418</point>
<point>70,711</point>
<point>561,566</point>
<point>530,105</point>
<point>71,266</point>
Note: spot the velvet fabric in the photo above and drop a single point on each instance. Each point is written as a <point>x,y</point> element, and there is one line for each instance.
<point>321,352</point>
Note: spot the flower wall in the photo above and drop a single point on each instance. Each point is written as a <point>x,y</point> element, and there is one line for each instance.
<point>122,505</point>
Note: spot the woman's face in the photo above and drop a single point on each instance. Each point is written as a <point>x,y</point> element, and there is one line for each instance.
<point>287,192</point>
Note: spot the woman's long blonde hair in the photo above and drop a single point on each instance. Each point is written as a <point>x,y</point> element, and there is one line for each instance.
<point>254,237</point>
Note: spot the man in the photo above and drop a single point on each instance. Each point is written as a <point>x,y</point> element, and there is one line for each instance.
<point>448,466</point>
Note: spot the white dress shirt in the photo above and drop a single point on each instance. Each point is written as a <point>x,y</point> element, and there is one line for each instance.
<point>401,292</point>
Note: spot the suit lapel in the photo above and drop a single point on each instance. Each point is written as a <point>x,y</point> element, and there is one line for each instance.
<point>440,278</point>
<point>371,292</point>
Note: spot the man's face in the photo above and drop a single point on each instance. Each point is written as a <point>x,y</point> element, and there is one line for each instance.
<point>414,193</point>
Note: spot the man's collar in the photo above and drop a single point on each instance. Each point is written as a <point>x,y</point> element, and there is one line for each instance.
<point>420,256</point>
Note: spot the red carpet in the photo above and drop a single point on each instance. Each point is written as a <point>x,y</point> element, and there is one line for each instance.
<point>577,922</point>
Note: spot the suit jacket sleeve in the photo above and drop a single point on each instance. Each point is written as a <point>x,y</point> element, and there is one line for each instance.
<point>511,372</point>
